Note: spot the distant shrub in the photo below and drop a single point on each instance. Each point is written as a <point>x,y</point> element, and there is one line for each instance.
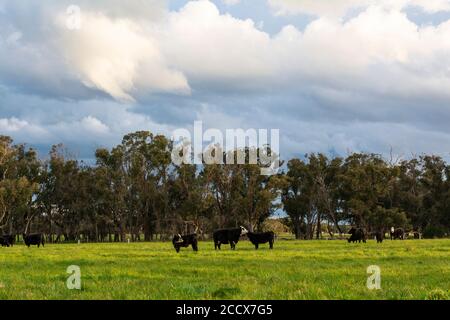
<point>434,231</point>
<point>276,225</point>
<point>437,294</point>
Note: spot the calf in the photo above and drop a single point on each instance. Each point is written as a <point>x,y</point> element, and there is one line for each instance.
<point>357,235</point>
<point>258,238</point>
<point>228,236</point>
<point>184,241</point>
<point>398,233</point>
<point>33,239</point>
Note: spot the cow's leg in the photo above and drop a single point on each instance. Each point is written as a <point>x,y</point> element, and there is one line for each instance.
<point>256,246</point>
<point>271,244</point>
<point>232,245</point>
<point>195,246</point>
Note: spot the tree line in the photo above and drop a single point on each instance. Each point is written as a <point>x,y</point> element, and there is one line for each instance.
<point>135,192</point>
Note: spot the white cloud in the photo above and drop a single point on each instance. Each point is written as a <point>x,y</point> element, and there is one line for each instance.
<point>12,124</point>
<point>338,8</point>
<point>315,7</point>
<point>379,51</point>
<point>231,2</point>
<point>22,129</point>
<point>207,45</point>
<point>118,57</point>
<point>114,51</point>
<point>94,125</point>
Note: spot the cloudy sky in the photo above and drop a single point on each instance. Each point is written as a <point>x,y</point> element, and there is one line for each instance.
<point>333,76</point>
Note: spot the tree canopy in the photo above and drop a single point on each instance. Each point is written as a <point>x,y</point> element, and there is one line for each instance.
<point>135,190</point>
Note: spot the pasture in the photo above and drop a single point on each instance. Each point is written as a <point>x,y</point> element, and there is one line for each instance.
<point>410,269</point>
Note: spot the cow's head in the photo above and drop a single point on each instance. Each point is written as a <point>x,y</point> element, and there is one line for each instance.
<point>243,231</point>
<point>177,239</point>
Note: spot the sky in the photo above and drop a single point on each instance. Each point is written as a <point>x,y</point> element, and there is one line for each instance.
<point>334,76</point>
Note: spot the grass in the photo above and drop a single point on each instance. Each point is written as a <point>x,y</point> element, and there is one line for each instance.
<point>410,269</point>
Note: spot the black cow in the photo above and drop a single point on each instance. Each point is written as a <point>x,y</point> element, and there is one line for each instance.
<point>4,242</point>
<point>33,239</point>
<point>7,240</point>
<point>184,241</point>
<point>357,235</point>
<point>228,236</point>
<point>398,233</point>
<point>379,235</point>
<point>259,238</point>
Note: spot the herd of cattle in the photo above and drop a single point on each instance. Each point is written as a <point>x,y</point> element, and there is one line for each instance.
<point>232,236</point>
<point>30,240</point>
<point>359,234</point>
<point>227,236</point>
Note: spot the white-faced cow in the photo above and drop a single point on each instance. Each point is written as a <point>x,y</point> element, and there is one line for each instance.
<point>228,236</point>
<point>259,238</point>
<point>398,233</point>
<point>33,239</point>
<point>184,241</point>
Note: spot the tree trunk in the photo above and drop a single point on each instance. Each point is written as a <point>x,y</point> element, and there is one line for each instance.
<point>319,227</point>
<point>297,229</point>
<point>147,230</point>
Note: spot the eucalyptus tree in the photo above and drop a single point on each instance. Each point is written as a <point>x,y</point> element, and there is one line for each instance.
<point>240,193</point>
<point>297,197</point>
<point>191,206</point>
<point>147,164</point>
<point>19,174</point>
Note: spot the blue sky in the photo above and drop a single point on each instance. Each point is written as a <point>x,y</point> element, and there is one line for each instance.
<point>333,76</point>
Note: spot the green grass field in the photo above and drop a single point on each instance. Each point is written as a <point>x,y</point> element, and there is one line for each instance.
<point>410,269</point>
